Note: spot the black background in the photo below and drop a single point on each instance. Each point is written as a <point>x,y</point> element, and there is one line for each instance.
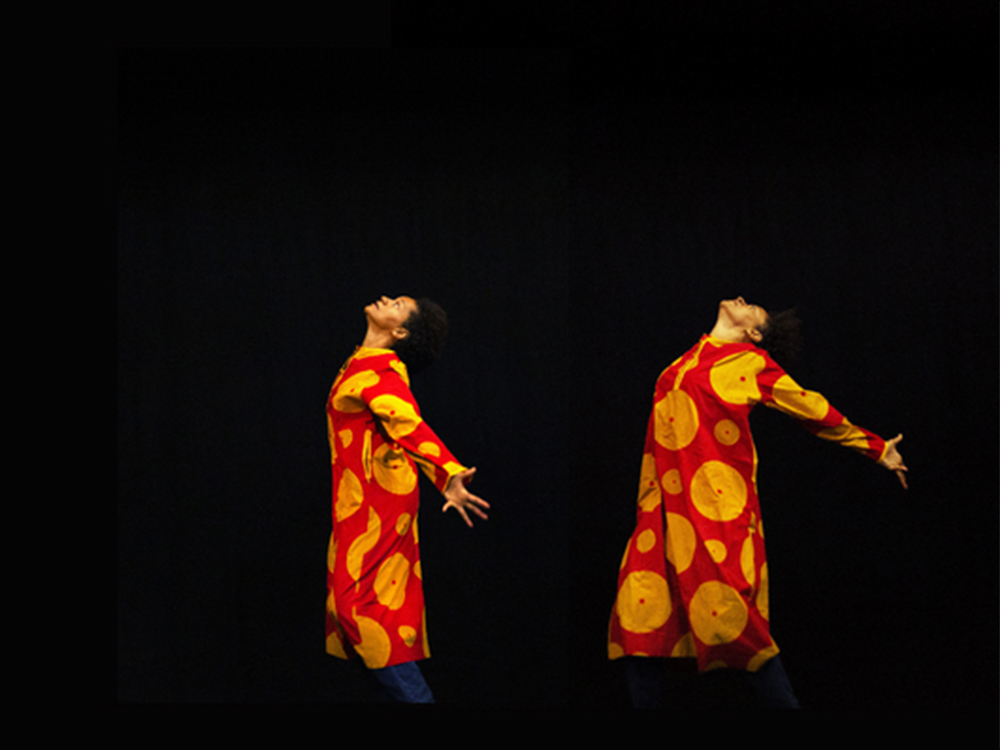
<point>579,211</point>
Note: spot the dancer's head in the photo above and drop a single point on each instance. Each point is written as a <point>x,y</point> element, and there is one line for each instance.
<point>782,336</point>
<point>415,329</point>
<point>780,333</point>
<point>740,321</point>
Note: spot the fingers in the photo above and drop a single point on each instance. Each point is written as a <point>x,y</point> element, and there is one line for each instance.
<point>466,503</point>
<point>465,516</point>
<point>901,473</point>
<point>470,498</point>
<point>461,499</point>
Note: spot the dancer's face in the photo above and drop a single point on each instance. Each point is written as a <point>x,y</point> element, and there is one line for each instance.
<point>741,314</point>
<point>388,314</point>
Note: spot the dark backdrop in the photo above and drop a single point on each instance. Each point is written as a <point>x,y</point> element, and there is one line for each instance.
<point>579,213</point>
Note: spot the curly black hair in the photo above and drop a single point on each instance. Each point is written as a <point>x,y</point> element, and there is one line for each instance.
<point>782,336</point>
<point>428,327</point>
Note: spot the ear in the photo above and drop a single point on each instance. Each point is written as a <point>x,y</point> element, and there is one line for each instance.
<point>755,335</point>
<point>400,333</point>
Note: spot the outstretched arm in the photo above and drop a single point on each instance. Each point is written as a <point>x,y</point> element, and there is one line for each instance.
<point>893,461</point>
<point>461,499</point>
<point>815,413</point>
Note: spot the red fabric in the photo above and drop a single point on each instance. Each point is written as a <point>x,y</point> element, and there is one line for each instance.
<point>375,602</point>
<point>693,580</point>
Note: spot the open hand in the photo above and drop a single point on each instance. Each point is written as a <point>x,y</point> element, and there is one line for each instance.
<point>461,499</point>
<point>893,461</point>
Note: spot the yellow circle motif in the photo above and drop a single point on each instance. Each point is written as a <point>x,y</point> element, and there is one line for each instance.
<point>400,416</point>
<point>718,491</point>
<point>393,470</point>
<point>726,432</point>
<point>716,549</point>
<point>847,435</point>
<point>375,646</point>
<point>345,437</point>
<point>676,420</point>
<point>717,612</point>
<point>429,449</point>
<point>334,646</point>
<point>408,634</point>
<point>403,523</point>
<point>390,581</point>
<point>363,543</point>
<point>794,399</point>
<point>680,541</point>
<point>672,482</point>
<point>349,495</point>
<point>747,561</point>
<point>645,541</point>
<point>649,491</point>
<point>684,647</point>
<point>763,602</point>
<point>735,378</point>
<point>348,396</point>
<point>329,435</point>
<point>643,601</point>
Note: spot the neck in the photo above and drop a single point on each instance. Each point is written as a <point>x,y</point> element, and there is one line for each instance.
<point>376,338</point>
<point>726,331</point>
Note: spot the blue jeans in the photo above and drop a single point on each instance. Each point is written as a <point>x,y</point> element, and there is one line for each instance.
<point>403,683</point>
<point>654,684</point>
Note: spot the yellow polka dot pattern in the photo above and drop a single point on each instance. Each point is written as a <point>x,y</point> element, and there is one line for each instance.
<point>349,495</point>
<point>390,582</point>
<point>400,416</point>
<point>717,612</point>
<point>681,541</point>
<point>393,471</point>
<point>645,541</point>
<point>717,549</point>
<point>374,646</point>
<point>649,488</point>
<point>734,378</point>
<point>348,397</point>
<point>727,432</point>
<point>375,603</point>
<point>693,580</point>
<point>646,604</point>
<point>718,491</point>
<point>676,420</point>
<point>792,399</point>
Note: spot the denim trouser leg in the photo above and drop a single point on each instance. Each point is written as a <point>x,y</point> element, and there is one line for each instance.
<point>771,685</point>
<point>404,683</point>
<point>649,684</point>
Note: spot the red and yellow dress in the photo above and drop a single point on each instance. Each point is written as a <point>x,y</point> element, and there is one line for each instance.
<point>693,580</point>
<point>375,600</point>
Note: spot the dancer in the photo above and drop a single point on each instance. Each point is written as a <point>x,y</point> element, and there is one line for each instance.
<point>375,601</point>
<point>693,581</point>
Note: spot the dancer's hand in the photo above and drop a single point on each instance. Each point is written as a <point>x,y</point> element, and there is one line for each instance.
<point>461,499</point>
<point>893,461</point>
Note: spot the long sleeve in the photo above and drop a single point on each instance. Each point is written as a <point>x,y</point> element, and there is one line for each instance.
<point>384,389</point>
<point>779,391</point>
